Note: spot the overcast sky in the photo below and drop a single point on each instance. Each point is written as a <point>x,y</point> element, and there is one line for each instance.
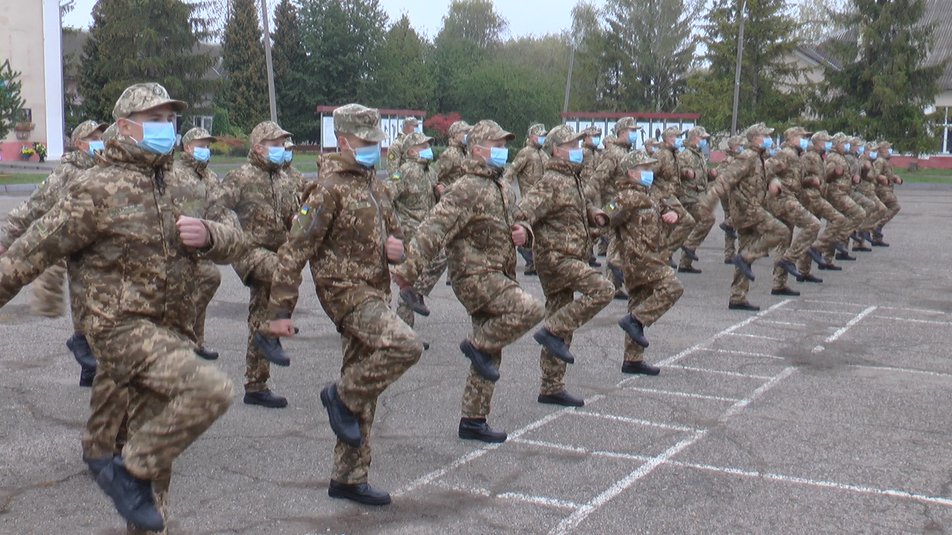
<point>525,17</point>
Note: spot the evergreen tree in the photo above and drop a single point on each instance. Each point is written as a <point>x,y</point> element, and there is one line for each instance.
<point>295,104</point>
<point>403,72</point>
<point>245,94</point>
<point>10,100</point>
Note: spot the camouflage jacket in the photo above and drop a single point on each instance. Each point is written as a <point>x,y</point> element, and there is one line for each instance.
<point>607,172</point>
<point>265,199</point>
<point>590,160</point>
<point>692,189</point>
<point>473,223</point>
<point>667,180</point>
<point>117,223</point>
<point>208,185</point>
<point>526,168</point>
<point>746,177</point>
<point>837,185</point>
<point>869,177</point>
<point>559,212</point>
<point>395,154</point>
<point>785,167</point>
<point>342,229</point>
<point>413,191</point>
<point>46,195</point>
<point>636,224</point>
<point>450,164</point>
<point>884,173</point>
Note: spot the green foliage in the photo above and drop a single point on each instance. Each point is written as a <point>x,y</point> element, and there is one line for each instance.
<point>245,93</point>
<point>404,74</point>
<point>883,86</point>
<point>295,104</point>
<point>10,100</point>
<point>132,41</point>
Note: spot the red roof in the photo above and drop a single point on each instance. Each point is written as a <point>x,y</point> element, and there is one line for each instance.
<point>383,111</point>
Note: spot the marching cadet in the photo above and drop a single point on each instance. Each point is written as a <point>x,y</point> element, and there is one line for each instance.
<point>527,168</point>
<point>885,190</point>
<point>811,196</point>
<point>667,187</point>
<point>561,216</point>
<point>735,146</point>
<point>348,231</point>
<point>450,163</point>
<point>840,182</point>
<point>395,150</point>
<point>637,220</point>
<point>694,181</point>
<point>869,177</point>
<point>474,223</point>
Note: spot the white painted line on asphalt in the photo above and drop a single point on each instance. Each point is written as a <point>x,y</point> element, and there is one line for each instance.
<point>477,453</point>
<point>759,337</point>
<point>582,451</point>
<point>635,421</point>
<point>580,514</point>
<point>923,310</point>
<point>894,493</point>
<point>842,330</point>
<point>681,394</point>
<point>721,372</point>
<point>787,323</point>
<point>747,353</point>
<point>511,496</point>
<point>900,370</point>
<point>814,311</point>
<point>910,320</point>
<point>826,302</point>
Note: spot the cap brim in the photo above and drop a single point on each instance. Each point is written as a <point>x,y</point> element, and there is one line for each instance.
<point>206,138</point>
<point>508,136</point>
<point>101,127</point>
<point>373,135</point>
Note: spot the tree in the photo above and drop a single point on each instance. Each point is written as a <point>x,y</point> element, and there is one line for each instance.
<point>295,104</point>
<point>132,41</point>
<point>819,19</point>
<point>590,78</point>
<point>245,95</point>
<point>11,103</point>
<point>403,72</point>
<point>766,70</point>
<point>884,83</point>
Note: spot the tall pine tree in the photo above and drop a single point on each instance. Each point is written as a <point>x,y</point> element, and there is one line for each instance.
<point>403,71</point>
<point>295,103</point>
<point>133,41</point>
<point>245,95</point>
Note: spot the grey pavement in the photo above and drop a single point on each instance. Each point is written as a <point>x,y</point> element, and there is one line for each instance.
<point>826,413</point>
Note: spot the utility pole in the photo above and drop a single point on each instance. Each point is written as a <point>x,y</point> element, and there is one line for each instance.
<point>740,55</point>
<point>568,82</point>
<point>267,57</point>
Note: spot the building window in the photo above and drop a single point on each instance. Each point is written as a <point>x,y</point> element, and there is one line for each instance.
<point>203,121</point>
<point>26,115</point>
<point>945,131</point>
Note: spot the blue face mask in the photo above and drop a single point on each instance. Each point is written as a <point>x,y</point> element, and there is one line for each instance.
<point>678,143</point>
<point>96,146</point>
<point>772,152</point>
<point>804,144</point>
<point>647,178</point>
<point>202,154</point>
<point>540,140</point>
<point>288,156</point>
<point>498,156</point>
<point>466,139</point>
<point>367,156</point>
<point>860,150</point>
<point>702,144</point>
<point>873,155</point>
<point>576,156</point>
<point>276,155</point>
<point>828,146</point>
<point>847,147</point>
<point>633,137</point>
<point>597,140</point>
<point>767,143</point>
<point>426,154</point>
<point>740,149</point>
<point>157,138</point>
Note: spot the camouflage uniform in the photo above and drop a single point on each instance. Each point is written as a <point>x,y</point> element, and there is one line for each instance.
<point>590,158</point>
<point>450,163</point>
<point>606,175</point>
<point>265,198</point>
<point>758,230</point>
<point>48,288</point>
<point>864,193</point>
<point>413,190</point>
<point>395,150</point>
<point>785,168</point>
<point>118,222</point>
<point>653,288</point>
<point>666,189</point>
<point>288,167</point>
<point>838,190</point>
<point>473,223</point>
<point>560,215</point>
<point>885,187</point>
<point>735,145</point>
<point>814,177</point>
<point>342,229</point>
<point>692,189</point>
<point>529,164</point>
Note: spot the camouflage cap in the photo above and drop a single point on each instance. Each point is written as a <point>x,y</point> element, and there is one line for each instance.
<point>537,129</point>
<point>759,129</point>
<point>651,142</point>
<point>735,141</point>
<point>822,136</point>
<point>634,159</point>
<point>86,129</point>
<point>141,97</point>
<point>698,131</point>
<point>268,131</point>
<point>411,121</point>
<point>840,137</point>
<point>414,139</point>
<point>197,134</point>
<point>625,123</point>
<point>857,141</point>
<point>671,131</point>
<point>359,121</point>
<point>593,131</point>
<point>288,144</point>
<point>871,146</point>
<point>884,143</point>
<point>488,130</point>
<point>110,133</point>
<point>796,131</point>
<point>562,134</point>
<point>459,127</point>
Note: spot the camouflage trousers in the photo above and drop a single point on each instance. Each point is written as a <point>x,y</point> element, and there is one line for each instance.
<point>378,347</point>
<point>887,196</point>
<point>790,212</point>
<point>209,279</point>
<point>501,320</point>
<point>703,223</point>
<point>257,368</point>
<point>813,200</point>
<point>424,285</point>
<point>561,277</point>
<point>650,295</point>
<point>854,215</point>
<point>730,243</point>
<point>676,234</point>
<point>77,298</point>
<point>152,376</point>
<point>875,209</point>
<point>48,292</point>
<point>762,233</point>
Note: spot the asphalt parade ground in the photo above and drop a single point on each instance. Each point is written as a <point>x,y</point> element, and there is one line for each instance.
<point>827,413</point>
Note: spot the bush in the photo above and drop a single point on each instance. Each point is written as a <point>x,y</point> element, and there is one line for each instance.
<point>229,146</point>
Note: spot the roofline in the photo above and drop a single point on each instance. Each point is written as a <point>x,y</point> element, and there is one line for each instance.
<point>636,115</point>
<point>383,111</point>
